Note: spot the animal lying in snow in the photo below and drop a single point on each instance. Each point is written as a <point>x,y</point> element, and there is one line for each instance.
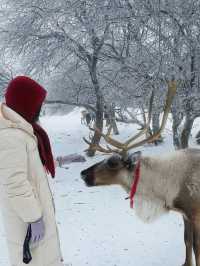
<point>71,158</point>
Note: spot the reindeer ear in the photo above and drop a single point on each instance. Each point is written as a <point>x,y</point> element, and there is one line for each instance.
<point>133,159</point>
<point>136,156</point>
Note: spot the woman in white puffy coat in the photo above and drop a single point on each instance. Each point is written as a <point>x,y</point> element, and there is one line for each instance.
<point>25,156</point>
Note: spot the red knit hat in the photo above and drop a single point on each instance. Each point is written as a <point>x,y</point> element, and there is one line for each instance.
<point>25,96</point>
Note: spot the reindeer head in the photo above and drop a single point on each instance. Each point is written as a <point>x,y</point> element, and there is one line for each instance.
<point>111,171</point>
<point>120,166</point>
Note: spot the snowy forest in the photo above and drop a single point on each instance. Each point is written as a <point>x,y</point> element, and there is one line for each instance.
<point>107,66</point>
<point>108,54</point>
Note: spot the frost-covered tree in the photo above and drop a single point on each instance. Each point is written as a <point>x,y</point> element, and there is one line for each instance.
<point>114,52</point>
<point>173,29</point>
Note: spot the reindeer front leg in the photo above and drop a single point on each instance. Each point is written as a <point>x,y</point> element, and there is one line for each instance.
<point>196,241</point>
<point>188,238</point>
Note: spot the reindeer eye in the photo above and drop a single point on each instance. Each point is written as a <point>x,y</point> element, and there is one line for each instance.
<point>113,162</point>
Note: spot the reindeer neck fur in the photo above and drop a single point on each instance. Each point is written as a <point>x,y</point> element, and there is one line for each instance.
<point>159,184</point>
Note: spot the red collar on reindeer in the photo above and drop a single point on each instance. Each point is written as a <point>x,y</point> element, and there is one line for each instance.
<point>134,185</point>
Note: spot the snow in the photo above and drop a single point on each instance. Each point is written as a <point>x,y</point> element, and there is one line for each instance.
<point>96,225</point>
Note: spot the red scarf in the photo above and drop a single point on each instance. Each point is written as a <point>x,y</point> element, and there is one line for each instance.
<point>44,148</point>
<point>25,96</point>
<point>135,183</point>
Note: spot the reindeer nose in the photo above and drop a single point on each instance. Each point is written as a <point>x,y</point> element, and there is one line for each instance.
<point>84,174</point>
<point>87,177</point>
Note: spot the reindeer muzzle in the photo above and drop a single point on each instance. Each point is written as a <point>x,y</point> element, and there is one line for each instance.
<point>88,178</point>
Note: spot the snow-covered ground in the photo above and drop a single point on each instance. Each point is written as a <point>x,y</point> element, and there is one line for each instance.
<point>96,225</point>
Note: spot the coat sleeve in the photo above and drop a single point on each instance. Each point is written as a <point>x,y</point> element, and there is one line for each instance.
<point>14,178</point>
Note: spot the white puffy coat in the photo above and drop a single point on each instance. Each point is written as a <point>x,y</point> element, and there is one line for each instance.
<point>25,195</point>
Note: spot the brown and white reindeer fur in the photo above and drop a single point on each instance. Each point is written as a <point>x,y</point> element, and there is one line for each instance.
<point>169,182</point>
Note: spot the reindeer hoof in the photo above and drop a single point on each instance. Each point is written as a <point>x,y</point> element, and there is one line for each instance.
<point>187,264</point>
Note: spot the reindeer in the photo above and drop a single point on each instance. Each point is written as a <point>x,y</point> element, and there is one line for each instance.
<point>158,184</point>
<point>87,117</point>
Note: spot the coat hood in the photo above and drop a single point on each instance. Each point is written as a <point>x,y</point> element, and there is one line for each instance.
<point>11,119</point>
<point>25,96</point>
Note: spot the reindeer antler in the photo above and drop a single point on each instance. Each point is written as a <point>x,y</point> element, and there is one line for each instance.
<point>97,147</point>
<point>123,148</point>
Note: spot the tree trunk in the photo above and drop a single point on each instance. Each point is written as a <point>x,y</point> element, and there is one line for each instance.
<point>112,120</point>
<point>186,131</point>
<point>181,141</point>
<point>198,137</point>
<point>155,122</point>
<point>177,118</point>
<point>114,127</point>
<point>189,120</point>
<point>156,126</point>
<point>99,108</point>
<point>99,124</point>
